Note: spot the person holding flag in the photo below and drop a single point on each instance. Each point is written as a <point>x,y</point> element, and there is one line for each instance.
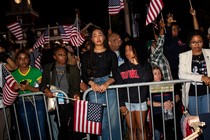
<point>10,66</point>
<point>28,80</point>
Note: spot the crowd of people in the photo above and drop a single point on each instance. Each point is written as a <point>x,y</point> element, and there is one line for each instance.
<point>106,59</point>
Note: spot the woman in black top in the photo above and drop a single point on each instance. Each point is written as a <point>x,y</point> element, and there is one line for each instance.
<point>99,67</point>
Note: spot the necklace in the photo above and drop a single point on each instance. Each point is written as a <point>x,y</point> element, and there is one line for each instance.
<point>99,50</point>
<point>198,58</point>
<point>99,54</point>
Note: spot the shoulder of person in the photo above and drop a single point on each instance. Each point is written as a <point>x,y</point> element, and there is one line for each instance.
<point>72,67</point>
<point>206,50</point>
<point>124,66</point>
<point>49,66</point>
<point>112,53</point>
<point>35,69</point>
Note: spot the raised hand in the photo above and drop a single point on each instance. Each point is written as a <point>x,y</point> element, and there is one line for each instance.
<point>170,19</point>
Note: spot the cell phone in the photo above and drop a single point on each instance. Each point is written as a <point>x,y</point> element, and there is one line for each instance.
<point>23,82</point>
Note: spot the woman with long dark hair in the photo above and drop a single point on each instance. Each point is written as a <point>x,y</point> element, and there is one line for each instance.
<point>99,68</point>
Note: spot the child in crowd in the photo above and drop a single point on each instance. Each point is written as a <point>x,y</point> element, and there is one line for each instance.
<point>134,70</point>
<point>157,103</point>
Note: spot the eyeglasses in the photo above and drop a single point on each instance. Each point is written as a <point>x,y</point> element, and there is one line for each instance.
<point>196,42</point>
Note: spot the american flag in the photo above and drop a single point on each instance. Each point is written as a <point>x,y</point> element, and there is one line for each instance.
<point>44,38</point>
<point>16,30</point>
<point>9,95</point>
<point>37,62</point>
<point>63,35</point>
<point>71,33</point>
<point>87,117</point>
<point>115,6</point>
<point>154,9</point>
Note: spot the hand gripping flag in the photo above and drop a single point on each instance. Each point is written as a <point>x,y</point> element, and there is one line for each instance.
<point>88,117</point>
<point>154,9</point>
<point>16,30</point>
<point>9,95</point>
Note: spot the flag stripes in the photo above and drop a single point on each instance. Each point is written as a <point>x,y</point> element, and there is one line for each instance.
<point>37,62</point>
<point>115,6</point>
<point>9,95</point>
<point>154,9</point>
<point>16,30</point>
<point>63,35</point>
<point>70,33</point>
<point>44,38</point>
<point>87,117</point>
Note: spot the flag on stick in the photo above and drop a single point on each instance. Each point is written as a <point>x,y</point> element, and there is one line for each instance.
<point>154,9</point>
<point>9,94</point>
<point>115,6</point>
<point>71,33</point>
<point>63,35</point>
<point>87,117</point>
<point>44,38</point>
<point>16,30</point>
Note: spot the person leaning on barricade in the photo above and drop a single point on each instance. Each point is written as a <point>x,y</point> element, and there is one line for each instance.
<point>136,69</point>
<point>10,65</point>
<point>28,80</point>
<point>195,65</point>
<point>97,65</point>
<point>65,77</point>
<point>168,106</point>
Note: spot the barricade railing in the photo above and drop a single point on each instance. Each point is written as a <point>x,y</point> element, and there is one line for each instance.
<point>14,131</point>
<point>154,87</point>
<point>14,128</point>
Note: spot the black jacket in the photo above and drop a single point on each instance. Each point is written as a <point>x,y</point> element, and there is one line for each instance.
<point>72,74</point>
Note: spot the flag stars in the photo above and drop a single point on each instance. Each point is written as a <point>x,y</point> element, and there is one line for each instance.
<point>94,113</point>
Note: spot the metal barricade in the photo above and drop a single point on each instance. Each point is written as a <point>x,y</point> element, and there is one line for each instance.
<point>154,87</point>
<point>14,127</point>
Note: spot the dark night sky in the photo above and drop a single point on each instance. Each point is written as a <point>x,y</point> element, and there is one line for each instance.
<point>63,12</point>
<point>96,11</point>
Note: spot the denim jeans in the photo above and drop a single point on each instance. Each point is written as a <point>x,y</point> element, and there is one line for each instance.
<point>32,121</point>
<point>203,104</point>
<point>113,110</point>
<point>54,126</point>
